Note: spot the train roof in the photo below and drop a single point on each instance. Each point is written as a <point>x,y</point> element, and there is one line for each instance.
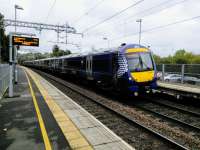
<point>101,51</point>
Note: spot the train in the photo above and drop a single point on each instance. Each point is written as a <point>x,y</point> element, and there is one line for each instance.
<point>128,69</point>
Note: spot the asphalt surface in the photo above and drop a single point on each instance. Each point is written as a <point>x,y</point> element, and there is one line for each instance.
<point>19,126</point>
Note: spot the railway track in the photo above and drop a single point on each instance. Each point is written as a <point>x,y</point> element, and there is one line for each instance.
<point>184,117</point>
<point>161,103</point>
<point>131,125</point>
<point>170,118</point>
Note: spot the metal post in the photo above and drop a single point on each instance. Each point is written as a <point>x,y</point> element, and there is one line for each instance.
<point>163,71</point>
<point>10,93</point>
<point>15,49</point>
<point>58,35</point>
<point>15,64</point>
<point>0,43</point>
<point>15,19</point>
<point>66,32</point>
<point>1,38</point>
<point>108,44</point>
<point>140,30</point>
<point>182,73</point>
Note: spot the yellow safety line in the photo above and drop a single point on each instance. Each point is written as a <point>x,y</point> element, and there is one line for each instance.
<point>73,135</point>
<point>41,122</point>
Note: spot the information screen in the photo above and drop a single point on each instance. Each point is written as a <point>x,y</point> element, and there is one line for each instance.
<point>25,41</point>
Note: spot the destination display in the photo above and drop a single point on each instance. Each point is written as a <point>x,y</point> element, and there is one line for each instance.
<point>25,41</point>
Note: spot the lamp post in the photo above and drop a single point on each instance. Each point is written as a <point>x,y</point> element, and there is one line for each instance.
<point>105,38</point>
<point>15,49</point>
<point>1,28</point>
<point>20,8</point>
<point>140,30</point>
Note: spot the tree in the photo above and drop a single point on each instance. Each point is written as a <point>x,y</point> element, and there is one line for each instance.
<point>4,53</point>
<point>31,56</point>
<point>67,52</point>
<point>180,57</point>
<point>157,59</point>
<point>196,59</point>
<point>56,51</point>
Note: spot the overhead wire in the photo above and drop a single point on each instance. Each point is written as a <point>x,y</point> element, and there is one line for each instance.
<point>88,11</point>
<point>146,10</point>
<point>52,6</point>
<point>124,36</point>
<point>159,27</point>
<point>158,5</point>
<point>112,16</point>
<point>130,19</point>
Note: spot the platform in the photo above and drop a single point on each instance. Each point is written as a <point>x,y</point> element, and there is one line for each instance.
<point>180,87</point>
<point>42,117</point>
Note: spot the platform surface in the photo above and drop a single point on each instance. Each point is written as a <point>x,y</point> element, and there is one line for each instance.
<point>65,124</point>
<point>19,125</point>
<point>180,87</point>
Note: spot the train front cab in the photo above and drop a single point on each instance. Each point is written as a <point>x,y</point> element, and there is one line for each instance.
<point>141,73</point>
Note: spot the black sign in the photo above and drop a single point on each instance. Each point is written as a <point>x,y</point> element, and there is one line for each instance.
<point>25,41</point>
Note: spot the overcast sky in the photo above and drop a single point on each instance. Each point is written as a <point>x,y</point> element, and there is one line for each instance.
<point>82,14</point>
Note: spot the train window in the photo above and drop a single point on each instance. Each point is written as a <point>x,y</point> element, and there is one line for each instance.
<point>139,62</point>
<point>76,64</point>
<point>101,65</point>
<point>146,61</point>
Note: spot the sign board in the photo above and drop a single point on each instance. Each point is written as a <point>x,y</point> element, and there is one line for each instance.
<point>25,41</point>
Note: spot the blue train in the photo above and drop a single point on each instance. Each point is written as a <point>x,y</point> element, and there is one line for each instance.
<point>128,69</point>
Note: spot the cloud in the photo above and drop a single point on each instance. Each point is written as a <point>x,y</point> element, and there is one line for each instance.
<point>163,41</point>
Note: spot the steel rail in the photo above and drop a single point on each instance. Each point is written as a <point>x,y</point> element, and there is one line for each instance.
<point>169,118</point>
<point>174,107</point>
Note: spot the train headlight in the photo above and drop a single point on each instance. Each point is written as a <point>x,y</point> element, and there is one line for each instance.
<point>130,78</point>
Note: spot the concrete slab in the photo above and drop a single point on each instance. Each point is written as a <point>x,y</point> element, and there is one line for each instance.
<point>66,106</point>
<point>74,113</point>
<point>99,135</point>
<point>111,146</point>
<point>85,122</point>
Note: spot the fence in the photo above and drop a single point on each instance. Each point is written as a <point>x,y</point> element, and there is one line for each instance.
<point>4,78</point>
<point>179,73</point>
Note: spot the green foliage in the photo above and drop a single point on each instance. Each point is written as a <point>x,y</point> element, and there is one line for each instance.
<point>56,51</point>
<point>180,57</point>
<point>157,58</point>
<point>4,52</point>
<point>31,56</point>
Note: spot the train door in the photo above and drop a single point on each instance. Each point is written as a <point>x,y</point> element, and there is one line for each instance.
<point>89,67</point>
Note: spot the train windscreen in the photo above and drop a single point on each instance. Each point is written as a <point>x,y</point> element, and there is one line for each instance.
<point>138,62</point>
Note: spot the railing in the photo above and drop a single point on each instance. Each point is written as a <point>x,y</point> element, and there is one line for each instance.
<point>4,78</point>
<point>179,73</point>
